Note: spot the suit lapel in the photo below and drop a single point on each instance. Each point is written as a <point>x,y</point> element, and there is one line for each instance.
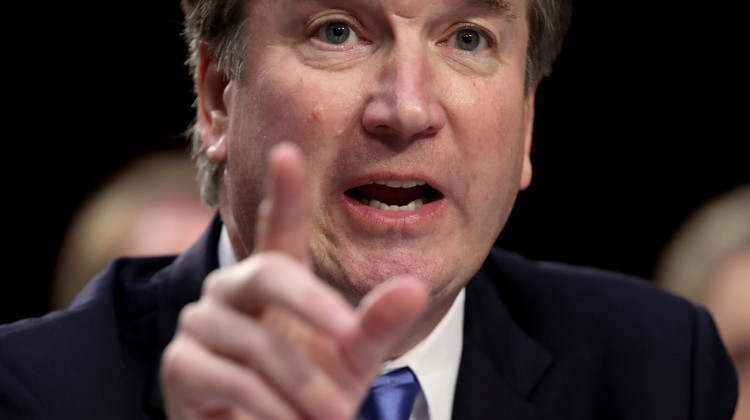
<point>500,364</point>
<point>182,285</point>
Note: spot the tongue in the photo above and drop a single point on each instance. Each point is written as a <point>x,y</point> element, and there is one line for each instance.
<point>388,195</point>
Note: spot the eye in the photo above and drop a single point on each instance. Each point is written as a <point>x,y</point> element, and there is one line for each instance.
<point>469,40</point>
<point>337,33</point>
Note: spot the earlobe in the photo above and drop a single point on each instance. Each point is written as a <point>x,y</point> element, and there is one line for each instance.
<point>212,110</point>
<point>526,170</point>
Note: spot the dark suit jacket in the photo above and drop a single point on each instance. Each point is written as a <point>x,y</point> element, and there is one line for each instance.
<point>542,341</point>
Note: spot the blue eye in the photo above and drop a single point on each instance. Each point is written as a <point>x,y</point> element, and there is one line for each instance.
<point>337,33</point>
<point>468,39</point>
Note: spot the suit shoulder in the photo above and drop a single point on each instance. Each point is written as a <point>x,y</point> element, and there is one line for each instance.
<point>614,332</point>
<point>560,303</point>
<point>561,284</point>
<point>132,279</point>
<point>102,345</point>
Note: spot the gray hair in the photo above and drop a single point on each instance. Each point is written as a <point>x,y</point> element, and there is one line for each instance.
<point>220,24</point>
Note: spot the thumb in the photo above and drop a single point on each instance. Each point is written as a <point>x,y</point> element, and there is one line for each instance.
<point>387,315</point>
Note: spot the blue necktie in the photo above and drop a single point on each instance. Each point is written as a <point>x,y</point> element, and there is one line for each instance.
<point>391,396</point>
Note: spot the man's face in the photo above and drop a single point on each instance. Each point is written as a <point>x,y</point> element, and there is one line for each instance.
<point>412,118</point>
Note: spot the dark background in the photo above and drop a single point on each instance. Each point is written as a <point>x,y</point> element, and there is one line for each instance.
<point>641,122</point>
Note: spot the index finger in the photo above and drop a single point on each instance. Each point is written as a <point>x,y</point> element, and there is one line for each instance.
<point>282,216</point>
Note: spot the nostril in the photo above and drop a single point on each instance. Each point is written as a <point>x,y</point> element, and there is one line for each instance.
<point>403,117</point>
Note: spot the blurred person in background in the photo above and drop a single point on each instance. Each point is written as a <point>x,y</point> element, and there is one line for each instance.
<point>152,206</point>
<point>708,261</point>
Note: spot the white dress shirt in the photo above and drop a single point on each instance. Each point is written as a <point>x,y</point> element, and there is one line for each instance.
<point>434,360</point>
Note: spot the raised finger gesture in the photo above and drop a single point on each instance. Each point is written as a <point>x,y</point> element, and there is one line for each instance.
<point>268,339</point>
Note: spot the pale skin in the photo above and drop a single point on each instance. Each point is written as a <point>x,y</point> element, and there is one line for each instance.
<point>328,287</point>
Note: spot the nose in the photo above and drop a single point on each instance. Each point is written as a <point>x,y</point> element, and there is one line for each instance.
<point>404,102</point>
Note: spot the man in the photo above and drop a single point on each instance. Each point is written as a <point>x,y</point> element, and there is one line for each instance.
<point>364,156</point>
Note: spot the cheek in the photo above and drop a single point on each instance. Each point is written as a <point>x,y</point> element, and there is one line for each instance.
<point>496,145</point>
<point>494,154</point>
<point>316,110</point>
<point>307,113</point>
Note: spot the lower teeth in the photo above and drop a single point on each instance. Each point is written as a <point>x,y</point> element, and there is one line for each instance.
<point>412,206</point>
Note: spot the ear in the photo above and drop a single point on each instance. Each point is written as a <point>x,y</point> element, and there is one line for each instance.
<point>526,170</point>
<point>212,110</point>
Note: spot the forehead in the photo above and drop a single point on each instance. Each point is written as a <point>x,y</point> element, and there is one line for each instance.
<point>512,7</point>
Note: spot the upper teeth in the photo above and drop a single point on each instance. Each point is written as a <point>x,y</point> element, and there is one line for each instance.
<point>400,184</point>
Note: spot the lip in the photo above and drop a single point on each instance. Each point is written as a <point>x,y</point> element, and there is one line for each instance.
<point>381,221</point>
<point>363,180</point>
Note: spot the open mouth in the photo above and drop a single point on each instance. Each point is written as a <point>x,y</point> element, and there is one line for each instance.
<point>392,195</point>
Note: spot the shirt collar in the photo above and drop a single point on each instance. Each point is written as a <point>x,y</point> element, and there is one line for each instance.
<point>226,253</point>
<point>435,361</point>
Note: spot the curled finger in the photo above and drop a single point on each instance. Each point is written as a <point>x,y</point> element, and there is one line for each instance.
<point>197,383</point>
<point>275,279</point>
<point>273,347</point>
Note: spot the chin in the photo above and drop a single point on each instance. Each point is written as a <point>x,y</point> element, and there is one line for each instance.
<point>356,279</point>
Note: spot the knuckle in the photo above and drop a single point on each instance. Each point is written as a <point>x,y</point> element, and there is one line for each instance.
<point>175,361</point>
<point>240,388</point>
<point>210,283</point>
<point>328,403</point>
<point>251,274</point>
<point>257,346</point>
<point>252,394</point>
<point>200,319</point>
<point>271,262</point>
<point>190,316</point>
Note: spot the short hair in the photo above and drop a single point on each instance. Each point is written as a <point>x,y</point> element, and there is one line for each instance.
<point>220,26</point>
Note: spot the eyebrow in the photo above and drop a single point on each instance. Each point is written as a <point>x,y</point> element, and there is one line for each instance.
<point>499,5</point>
<point>502,7</point>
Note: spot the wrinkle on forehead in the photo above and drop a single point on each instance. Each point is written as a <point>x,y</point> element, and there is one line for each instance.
<point>497,7</point>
